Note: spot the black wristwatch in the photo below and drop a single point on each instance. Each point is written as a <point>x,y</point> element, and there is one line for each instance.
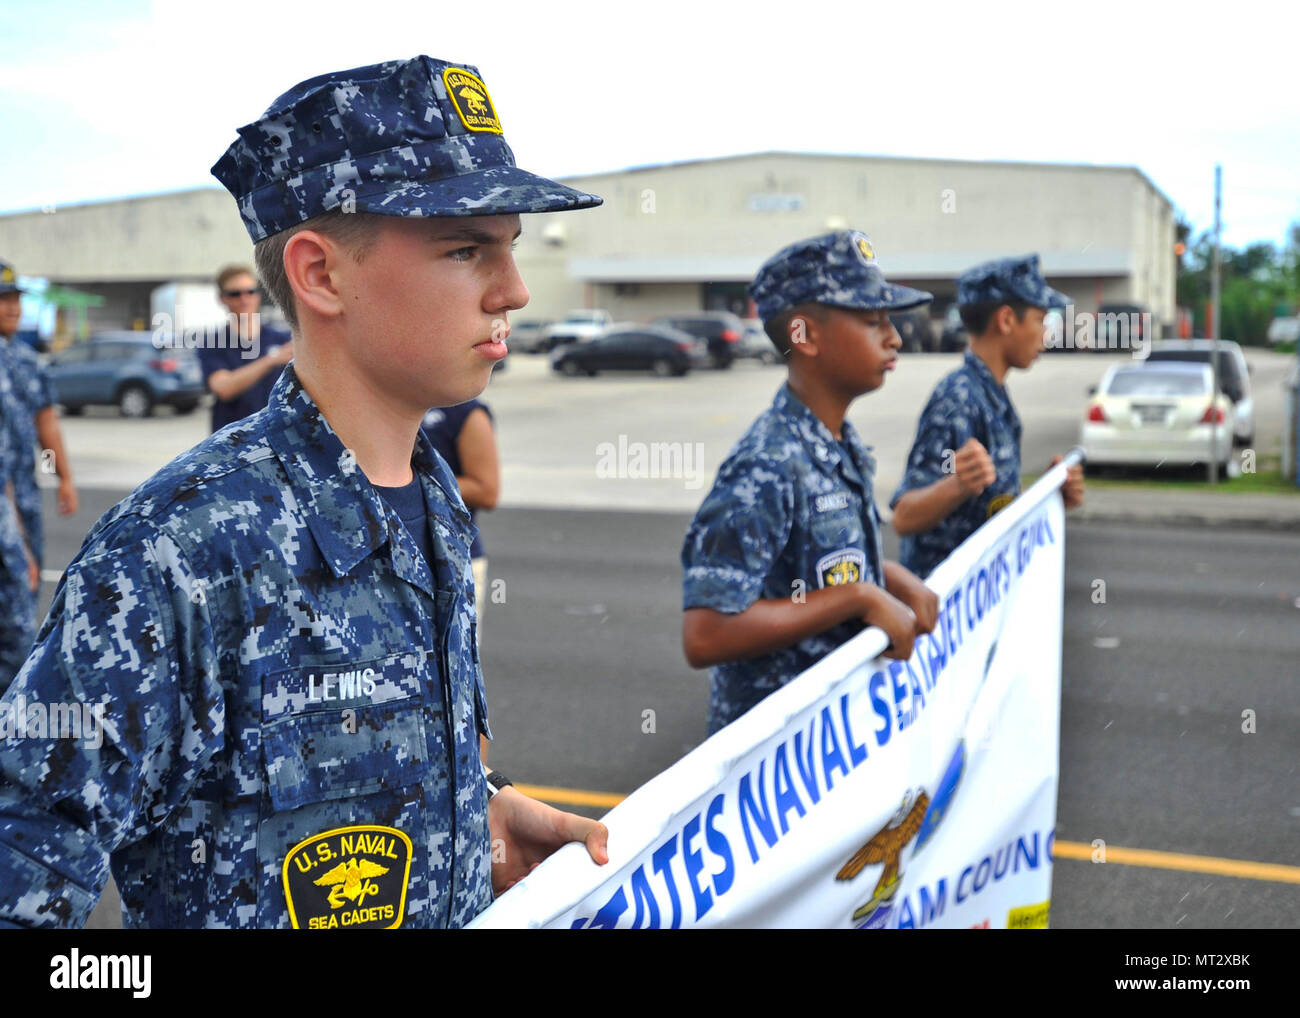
<point>496,781</point>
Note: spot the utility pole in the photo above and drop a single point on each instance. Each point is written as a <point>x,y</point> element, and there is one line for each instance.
<point>1214,324</point>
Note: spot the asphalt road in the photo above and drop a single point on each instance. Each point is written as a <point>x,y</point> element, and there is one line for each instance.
<point>1198,626</point>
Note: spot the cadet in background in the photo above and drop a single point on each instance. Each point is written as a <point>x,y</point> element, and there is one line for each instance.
<point>783,561</point>
<point>35,424</point>
<point>19,577</point>
<point>964,464</point>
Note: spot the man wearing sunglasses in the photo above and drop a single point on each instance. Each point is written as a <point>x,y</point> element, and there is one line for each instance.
<point>242,361</point>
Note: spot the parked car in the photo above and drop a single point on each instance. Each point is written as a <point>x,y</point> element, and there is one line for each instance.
<point>634,347</point>
<point>1234,375</point>
<point>526,336</point>
<point>954,338</point>
<point>1122,327</point>
<point>1283,330</point>
<point>720,329</point>
<point>754,344</point>
<point>576,326</point>
<point>914,330</point>
<point>1155,414</point>
<point>33,339</point>
<point>127,369</point>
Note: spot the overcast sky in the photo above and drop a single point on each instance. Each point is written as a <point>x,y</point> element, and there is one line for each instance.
<point>106,100</point>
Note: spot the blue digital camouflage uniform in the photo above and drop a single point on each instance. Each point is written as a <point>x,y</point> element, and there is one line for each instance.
<point>274,662</point>
<point>17,606</point>
<point>966,404</point>
<point>970,403</point>
<point>837,269</point>
<point>32,392</point>
<point>792,510</point>
<point>17,602</point>
<point>291,699</point>
<point>418,137</point>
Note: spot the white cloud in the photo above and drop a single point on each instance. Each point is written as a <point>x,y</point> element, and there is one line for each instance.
<point>114,105</point>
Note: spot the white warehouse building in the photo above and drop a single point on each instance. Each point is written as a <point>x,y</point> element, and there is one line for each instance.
<point>688,236</point>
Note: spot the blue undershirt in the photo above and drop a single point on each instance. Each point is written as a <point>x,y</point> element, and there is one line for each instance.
<point>408,503</point>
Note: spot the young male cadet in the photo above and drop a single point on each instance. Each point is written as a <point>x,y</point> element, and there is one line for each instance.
<point>783,561</point>
<point>35,425</point>
<point>965,462</point>
<point>18,574</point>
<point>286,674</point>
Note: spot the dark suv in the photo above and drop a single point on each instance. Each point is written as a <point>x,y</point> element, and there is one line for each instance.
<point>1123,327</point>
<point>915,330</point>
<point>720,329</point>
<point>126,369</point>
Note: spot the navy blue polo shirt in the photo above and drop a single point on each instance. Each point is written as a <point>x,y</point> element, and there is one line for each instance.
<point>442,426</point>
<point>223,352</point>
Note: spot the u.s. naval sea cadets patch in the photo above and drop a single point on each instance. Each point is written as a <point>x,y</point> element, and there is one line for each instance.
<point>841,567</point>
<point>999,503</point>
<point>349,878</point>
<point>470,97</point>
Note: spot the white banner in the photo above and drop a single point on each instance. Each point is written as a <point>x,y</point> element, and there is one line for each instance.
<point>867,793</point>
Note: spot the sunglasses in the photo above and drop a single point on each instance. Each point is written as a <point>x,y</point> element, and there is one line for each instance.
<point>239,293</point>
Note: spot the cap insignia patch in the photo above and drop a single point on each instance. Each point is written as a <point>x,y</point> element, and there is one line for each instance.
<point>470,97</point>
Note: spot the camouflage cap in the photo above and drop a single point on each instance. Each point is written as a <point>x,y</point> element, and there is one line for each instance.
<point>1006,280</point>
<point>417,137</point>
<point>838,269</point>
<point>9,280</point>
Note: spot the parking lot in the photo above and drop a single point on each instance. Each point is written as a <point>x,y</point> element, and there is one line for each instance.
<point>551,429</point>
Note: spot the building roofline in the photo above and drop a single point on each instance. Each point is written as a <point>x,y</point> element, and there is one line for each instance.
<point>1108,167</point>
<point>119,199</point>
<point>783,153</point>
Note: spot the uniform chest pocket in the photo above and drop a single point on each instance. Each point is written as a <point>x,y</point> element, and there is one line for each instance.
<point>339,732</point>
<point>343,754</point>
<point>834,531</point>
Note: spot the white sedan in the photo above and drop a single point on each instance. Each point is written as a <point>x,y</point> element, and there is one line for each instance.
<point>1157,413</point>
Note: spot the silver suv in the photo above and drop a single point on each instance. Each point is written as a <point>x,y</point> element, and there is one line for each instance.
<point>1234,375</point>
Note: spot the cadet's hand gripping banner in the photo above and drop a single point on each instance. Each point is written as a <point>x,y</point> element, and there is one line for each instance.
<point>867,793</point>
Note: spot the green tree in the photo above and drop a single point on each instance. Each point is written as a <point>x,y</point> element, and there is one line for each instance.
<point>1257,283</point>
<point>1248,306</point>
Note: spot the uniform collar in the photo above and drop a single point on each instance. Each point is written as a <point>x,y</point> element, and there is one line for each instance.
<point>814,434</point>
<point>345,514</point>
<point>997,393</point>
